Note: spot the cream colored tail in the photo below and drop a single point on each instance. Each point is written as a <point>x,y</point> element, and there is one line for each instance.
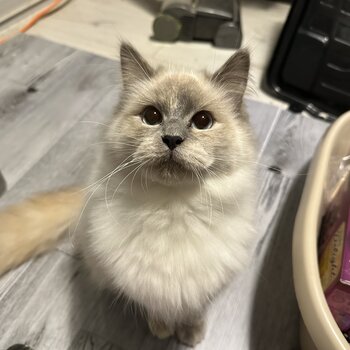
<point>34,226</point>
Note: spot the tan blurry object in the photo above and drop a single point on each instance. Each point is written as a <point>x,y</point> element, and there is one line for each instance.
<point>319,329</point>
<point>34,226</point>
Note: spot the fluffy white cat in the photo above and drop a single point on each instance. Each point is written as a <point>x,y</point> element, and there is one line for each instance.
<point>169,215</point>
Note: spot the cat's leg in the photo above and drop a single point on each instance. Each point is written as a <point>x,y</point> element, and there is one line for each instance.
<point>160,329</point>
<point>192,330</point>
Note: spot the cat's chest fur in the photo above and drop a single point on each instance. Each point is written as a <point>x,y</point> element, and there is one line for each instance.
<point>171,248</point>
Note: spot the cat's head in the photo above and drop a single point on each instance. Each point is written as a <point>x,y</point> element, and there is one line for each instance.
<point>179,126</point>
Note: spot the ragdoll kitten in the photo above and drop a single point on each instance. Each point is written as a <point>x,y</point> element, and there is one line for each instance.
<point>171,209</point>
<point>170,217</point>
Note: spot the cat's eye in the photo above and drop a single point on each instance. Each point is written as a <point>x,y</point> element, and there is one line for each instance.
<point>151,116</point>
<point>202,120</point>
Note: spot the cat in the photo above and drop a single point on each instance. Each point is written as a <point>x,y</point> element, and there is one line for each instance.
<point>172,224</point>
<point>169,218</point>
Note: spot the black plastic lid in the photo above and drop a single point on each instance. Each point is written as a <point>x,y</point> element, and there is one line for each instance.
<point>310,67</point>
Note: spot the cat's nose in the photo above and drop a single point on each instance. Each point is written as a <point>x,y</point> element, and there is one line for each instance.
<point>172,141</point>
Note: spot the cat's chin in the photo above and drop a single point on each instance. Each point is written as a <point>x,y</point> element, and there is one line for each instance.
<point>171,172</point>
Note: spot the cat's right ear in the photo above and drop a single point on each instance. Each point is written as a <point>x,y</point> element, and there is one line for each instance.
<point>134,67</point>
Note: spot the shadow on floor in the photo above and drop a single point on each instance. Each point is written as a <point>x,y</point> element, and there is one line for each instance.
<point>151,6</point>
<point>99,322</point>
<point>273,301</point>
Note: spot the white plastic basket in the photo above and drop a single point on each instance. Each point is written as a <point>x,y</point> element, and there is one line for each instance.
<point>318,329</point>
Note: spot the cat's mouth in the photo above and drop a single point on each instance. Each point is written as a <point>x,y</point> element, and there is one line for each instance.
<point>171,167</point>
<point>171,161</point>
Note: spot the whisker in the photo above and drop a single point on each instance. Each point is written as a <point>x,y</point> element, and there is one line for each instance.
<point>116,190</point>
<point>93,122</point>
<point>210,203</point>
<point>211,172</point>
<point>131,163</point>
<point>98,184</point>
<point>133,178</point>
<point>82,212</point>
<point>119,167</point>
<point>114,143</point>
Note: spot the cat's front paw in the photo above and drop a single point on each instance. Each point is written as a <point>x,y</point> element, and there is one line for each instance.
<point>191,335</point>
<point>160,329</point>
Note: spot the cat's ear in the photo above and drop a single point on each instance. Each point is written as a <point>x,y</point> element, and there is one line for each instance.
<point>134,67</point>
<point>233,76</point>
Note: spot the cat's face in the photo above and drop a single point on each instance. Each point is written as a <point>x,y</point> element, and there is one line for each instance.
<point>180,127</point>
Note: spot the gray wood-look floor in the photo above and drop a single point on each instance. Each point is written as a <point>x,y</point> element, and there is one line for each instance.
<point>48,93</point>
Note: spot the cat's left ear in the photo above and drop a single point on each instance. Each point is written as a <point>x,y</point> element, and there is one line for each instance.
<point>134,67</point>
<point>233,76</point>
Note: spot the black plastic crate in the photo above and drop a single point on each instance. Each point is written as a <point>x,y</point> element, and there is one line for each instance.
<point>310,67</point>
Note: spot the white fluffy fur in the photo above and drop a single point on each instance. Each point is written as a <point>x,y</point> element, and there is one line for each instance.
<point>171,249</point>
